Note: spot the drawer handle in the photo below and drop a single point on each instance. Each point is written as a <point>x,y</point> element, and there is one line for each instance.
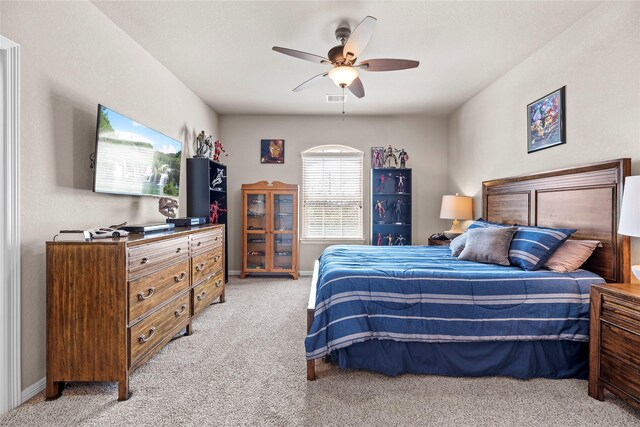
<point>142,296</point>
<point>216,258</point>
<point>201,296</point>
<point>200,266</point>
<point>178,250</point>
<point>142,339</point>
<point>144,260</point>
<point>179,312</point>
<point>181,277</point>
<point>219,283</point>
<point>199,244</point>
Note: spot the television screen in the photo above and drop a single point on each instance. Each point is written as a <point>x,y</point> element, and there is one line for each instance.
<point>133,159</point>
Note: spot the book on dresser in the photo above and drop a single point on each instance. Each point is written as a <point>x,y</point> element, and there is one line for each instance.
<point>113,303</point>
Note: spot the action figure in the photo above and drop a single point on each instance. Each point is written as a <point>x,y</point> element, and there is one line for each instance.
<point>403,156</point>
<point>389,154</point>
<point>380,186</point>
<point>203,145</point>
<point>389,238</point>
<point>218,179</point>
<point>398,211</point>
<point>380,210</point>
<point>218,148</point>
<point>400,181</point>
<point>215,212</point>
<point>400,240</point>
<point>379,239</point>
<point>377,161</point>
<point>167,206</point>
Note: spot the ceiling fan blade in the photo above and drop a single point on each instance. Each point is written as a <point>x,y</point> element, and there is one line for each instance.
<point>387,64</point>
<point>310,82</point>
<point>359,39</point>
<point>302,55</point>
<point>356,87</point>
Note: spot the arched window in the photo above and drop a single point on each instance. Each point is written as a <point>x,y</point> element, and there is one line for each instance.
<point>332,193</point>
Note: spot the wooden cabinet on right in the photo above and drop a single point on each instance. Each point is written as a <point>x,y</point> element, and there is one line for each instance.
<point>615,341</point>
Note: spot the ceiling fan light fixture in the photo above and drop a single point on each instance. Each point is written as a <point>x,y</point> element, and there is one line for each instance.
<point>343,75</point>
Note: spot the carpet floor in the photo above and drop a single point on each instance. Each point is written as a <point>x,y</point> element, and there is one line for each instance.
<point>244,365</point>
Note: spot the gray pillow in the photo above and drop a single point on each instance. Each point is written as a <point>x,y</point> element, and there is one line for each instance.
<point>457,244</point>
<point>488,245</point>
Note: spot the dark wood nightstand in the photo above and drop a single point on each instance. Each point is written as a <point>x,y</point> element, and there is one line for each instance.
<point>433,242</point>
<point>614,349</point>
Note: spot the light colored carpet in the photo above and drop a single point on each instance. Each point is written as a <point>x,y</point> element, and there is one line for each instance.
<point>244,365</point>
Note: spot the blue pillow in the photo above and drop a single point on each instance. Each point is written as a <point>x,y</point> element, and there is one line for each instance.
<point>531,247</point>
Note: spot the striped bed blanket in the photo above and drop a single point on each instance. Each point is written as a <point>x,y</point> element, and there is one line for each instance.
<point>423,294</point>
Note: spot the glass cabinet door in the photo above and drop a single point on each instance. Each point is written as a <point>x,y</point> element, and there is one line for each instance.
<point>283,219</point>
<point>256,231</point>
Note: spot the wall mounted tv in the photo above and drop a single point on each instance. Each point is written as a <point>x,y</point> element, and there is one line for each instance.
<point>134,159</point>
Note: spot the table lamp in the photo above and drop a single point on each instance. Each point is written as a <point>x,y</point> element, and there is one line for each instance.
<point>630,213</point>
<point>456,207</point>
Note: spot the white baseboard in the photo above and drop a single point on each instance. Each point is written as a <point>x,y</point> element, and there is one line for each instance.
<point>302,273</point>
<point>33,389</point>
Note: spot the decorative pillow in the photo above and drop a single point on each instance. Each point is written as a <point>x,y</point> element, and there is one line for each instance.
<point>571,255</point>
<point>457,244</point>
<point>482,223</point>
<point>488,245</point>
<point>531,247</point>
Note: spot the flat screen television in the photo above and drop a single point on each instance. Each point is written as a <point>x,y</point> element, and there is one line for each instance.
<point>134,159</point>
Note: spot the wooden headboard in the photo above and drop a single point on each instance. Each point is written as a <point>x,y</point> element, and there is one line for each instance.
<point>586,198</point>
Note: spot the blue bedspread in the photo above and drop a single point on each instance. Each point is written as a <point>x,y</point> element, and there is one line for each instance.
<point>423,294</point>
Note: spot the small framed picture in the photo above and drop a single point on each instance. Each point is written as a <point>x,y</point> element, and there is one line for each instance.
<point>272,151</point>
<point>546,121</point>
<point>377,157</point>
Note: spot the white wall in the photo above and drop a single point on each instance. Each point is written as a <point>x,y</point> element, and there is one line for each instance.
<point>424,138</point>
<point>598,59</point>
<point>74,57</point>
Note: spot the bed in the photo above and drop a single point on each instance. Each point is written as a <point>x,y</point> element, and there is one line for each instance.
<point>420,310</point>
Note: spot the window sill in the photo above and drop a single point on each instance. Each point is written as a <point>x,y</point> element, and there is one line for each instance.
<point>332,241</point>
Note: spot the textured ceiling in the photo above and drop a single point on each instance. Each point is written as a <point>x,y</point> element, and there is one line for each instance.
<point>222,50</point>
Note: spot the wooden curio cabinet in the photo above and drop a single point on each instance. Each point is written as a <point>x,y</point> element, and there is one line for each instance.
<point>270,228</point>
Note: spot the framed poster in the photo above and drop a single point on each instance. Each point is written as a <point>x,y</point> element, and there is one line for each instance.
<point>272,151</point>
<point>546,121</point>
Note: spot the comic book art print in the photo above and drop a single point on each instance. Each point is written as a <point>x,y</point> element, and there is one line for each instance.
<point>272,151</point>
<point>546,121</point>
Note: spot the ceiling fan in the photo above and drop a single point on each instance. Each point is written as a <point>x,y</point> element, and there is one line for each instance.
<point>342,58</point>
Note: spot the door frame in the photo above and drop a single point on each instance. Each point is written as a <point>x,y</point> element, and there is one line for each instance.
<point>10,380</point>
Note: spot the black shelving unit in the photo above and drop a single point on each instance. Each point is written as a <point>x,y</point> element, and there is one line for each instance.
<point>206,184</point>
<point>391,187</point>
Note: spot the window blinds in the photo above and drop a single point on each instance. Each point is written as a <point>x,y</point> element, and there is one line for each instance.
<point>332,195</point>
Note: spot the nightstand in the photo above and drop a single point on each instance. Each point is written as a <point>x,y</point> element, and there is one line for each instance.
<point>614,348</point>
<point>433,242</point>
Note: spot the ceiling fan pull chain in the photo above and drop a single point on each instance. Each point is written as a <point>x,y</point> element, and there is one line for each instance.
<point>342,103</point>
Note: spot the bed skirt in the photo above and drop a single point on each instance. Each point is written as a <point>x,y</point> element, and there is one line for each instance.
<point>519,359</point>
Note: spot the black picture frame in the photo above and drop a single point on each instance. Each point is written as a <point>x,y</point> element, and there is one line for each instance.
<point>272,151</point>
<point>546,121</point>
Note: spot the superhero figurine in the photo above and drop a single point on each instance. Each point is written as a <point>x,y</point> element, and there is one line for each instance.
<point>215,211</point>
<point>400,184</point>
<point>378,239</point>
<point>403,156</point>
<point>380,210</point>
<point>398,211</point>
<point>217,149</point>
<point>400,240</point>
<point>389,154</point>
<point>380,186</point>
<point>389,238</point>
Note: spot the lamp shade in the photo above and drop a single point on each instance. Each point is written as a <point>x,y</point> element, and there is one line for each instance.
<point>630,213</point>
<point>343,76</point>
<point>456,207</point>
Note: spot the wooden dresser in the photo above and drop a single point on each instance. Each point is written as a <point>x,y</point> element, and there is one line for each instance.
<point>614,356</point>
<point>113,303</point>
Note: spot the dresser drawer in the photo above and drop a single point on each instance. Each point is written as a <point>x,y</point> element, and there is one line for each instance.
<point>152,290</point>
<point>621,375</point>
<point>149,332</point>
<point>620,311</point>
<point>206,264</point>
<point>207,292</point>
<point>144,259</point>
<point>203,242</point>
